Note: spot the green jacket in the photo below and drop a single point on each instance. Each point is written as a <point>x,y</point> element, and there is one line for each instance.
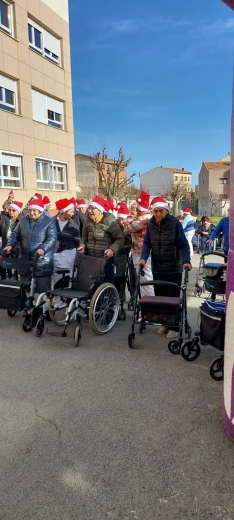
<point>106,234</point>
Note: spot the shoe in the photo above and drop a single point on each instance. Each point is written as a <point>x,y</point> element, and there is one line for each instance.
<point>162,330</point>
<point>172,334</point>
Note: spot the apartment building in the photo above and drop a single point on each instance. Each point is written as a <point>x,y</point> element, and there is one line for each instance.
<point>214,186</point>
<point>159,180</point>
<point>88,178</point>
<point>36,115</point>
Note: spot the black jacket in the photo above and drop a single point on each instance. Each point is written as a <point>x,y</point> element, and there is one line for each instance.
<point>69,237</point>
<point>5,223</point>
<point>79,218</point>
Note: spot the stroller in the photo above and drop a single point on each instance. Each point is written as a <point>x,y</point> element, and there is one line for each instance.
<point>212,332</point>
<point>206,269</point>
<point>161,310</point>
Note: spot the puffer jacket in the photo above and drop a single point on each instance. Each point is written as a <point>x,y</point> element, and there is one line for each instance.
<point>5,224</point>
<point>36,234</point>
<point>102,235</point>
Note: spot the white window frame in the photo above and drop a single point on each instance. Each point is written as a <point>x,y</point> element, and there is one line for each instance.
<point>47,39</point>
<point>11,85</point>
<point>53,166</point>
<point>10,15</point>
<point>42,105</point>
<point>19,178</point>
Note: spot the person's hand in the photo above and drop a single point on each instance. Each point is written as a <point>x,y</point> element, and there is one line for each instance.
<point>209,241</point>
<point>109,253</point>
<point>7,249</point>
<point>80,249</point>
<point>142,262</point>
<point>40,252</point>
<point>189,266</point>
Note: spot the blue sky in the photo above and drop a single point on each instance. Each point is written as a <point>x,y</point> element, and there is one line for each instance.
<point>153,77</point>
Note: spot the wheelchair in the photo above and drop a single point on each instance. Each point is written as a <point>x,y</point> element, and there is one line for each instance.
<point>83,295</point>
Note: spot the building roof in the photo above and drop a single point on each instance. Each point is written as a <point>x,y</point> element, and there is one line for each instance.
<point>106,159</point>
<point>176,170</point>
<point>216,165</point>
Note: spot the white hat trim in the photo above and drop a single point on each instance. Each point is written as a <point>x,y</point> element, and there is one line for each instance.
<point>160,205</point>
<point>81,205</point>
<point>12,205</point>
<point>123,215</point>
<point>141,208</point>
<point>98,206</point>
<point>70,206</point>
<point>34,206</point>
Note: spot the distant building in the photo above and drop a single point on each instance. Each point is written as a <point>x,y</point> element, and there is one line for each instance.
<point>158,180</point>
<point>214,186</point>
<point>88,179</point>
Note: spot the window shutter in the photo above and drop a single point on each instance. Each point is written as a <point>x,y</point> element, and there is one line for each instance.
<point>7,83</point>
<point>52,43</point>
<point>11,160</point>
<point>39,107</point>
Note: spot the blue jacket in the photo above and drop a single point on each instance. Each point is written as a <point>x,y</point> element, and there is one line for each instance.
<point>188,223</point>
<point>34,234</point>
<point>222,227</point>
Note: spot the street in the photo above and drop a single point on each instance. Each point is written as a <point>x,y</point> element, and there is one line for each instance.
<point>106,432</point>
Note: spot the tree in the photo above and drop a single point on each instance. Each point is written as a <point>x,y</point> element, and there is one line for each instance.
<point>217,202</point>
<point>110,181</point>
<point>176,191</point>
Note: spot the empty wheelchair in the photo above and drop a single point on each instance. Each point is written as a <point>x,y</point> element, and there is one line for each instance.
<point>83,295</point>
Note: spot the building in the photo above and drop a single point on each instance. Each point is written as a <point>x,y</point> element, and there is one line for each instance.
<point>88,179</point>
<point>159,180</point>
<point>36,115</point>
<point>214,186</point>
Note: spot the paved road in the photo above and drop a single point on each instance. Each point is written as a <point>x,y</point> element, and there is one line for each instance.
<point>105,432</point>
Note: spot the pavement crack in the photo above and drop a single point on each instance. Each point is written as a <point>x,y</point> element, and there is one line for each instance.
<point>50,422</point>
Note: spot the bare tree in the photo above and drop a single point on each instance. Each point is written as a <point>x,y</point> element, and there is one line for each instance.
<point>111,181</point>
<point>176,191</point>
<point>217,202</point>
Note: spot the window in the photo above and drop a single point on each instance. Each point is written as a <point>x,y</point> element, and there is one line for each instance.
<point>43,42</point>
<point>181,178</point>
<point>8,94</point>
<point>11,170</point>
<point>185,178</point>
<point>223,196</point>
<point>47,109</point>
<point>223,180</point>
<point>175,177</point>
<point>51,175</point>
<point>6,17</point>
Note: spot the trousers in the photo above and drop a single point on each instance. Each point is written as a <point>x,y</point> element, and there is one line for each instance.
<point>146,290</point>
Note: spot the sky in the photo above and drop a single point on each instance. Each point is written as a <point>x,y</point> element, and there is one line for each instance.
<point>155,78</point>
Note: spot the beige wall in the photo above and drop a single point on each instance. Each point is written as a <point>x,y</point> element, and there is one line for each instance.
<point>19,133</point>
<point>209,182</point>
<point>59,6</point>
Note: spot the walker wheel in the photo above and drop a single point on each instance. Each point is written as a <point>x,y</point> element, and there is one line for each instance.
<point>174,347</point>
<point>27,323</point>
<point>191,350</point>
<point>130,306</point>
<point>11,313</point>
<point>131,338</point>
<point>142,327</point>
<point>216,369</point>
<point>77,335</point>
<point>39,328</point>
<point>198,292</point>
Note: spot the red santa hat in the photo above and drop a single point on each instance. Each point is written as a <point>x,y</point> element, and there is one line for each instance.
<point>46,201</point>
<point>187,211</point>
<point>36,204</point>
<point>143,200</point>
<point>16,205</point>
<point>64,205</point>
<point>122,210</point>
<point>207,220</point>
<point>81,203</point>
<point>159,202</point>
<point>99,203</point>
<point>10,193</point>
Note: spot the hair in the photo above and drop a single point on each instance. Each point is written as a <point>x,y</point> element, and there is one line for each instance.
<point>6,203</point>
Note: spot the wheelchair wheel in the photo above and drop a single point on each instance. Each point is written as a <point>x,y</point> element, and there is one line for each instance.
<point>174,347</point>
<point>58,316</point>
<point>104,308</point>
<point>27,323</point>
<point>191,350</point>
<point>216,369</point>
<point>39,328</point>
<point>11,313</point>
<point>77,335</point>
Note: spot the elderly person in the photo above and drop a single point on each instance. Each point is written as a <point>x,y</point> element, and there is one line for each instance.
<point>188,227</point>
<point>101,235</point>
<point>5,208</point>
<point>205,233</point>
<point>7,225</point>
<point>222,227</point>
<point>36,233</point>
<point>68,236</point>
<point>137,227</point>
<point>165,240</point>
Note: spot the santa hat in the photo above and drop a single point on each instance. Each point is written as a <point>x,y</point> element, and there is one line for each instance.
<point>106,205</point>
<point>10,193</point>
<point>143,201</point>
<point>81,203</point>
<point>46,201</point>
<point>38,196</point>
<point>159,202</point>
<point>64,205</point>
<point>36,204</point>
<point>187,211</point>
<point>16,205</point>
<point>99,203</point>
<point>207,220</point>
<point>122,210</point>
<point>111,205</point>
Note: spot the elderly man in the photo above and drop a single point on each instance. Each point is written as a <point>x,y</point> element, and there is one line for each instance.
<point>36,233</point>
<point>169,248</point>
<point>222,227</point>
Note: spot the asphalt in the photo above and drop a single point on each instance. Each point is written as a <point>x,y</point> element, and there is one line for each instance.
<point>106,432</point>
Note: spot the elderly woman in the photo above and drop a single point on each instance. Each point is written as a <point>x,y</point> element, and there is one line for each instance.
<point>7,224</point>
<point>36,233</point>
